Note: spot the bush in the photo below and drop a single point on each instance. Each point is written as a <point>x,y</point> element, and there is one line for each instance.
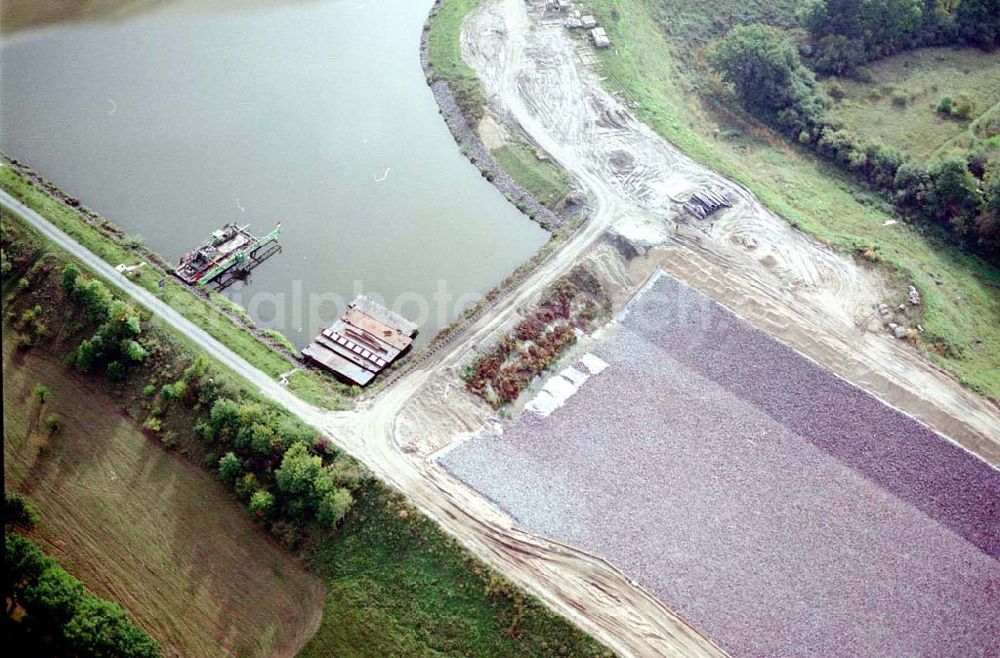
<point>333,507</point>
<point>53,423</point>
<point>261,503</point>
<point>962,108</point>
<point>134,241</point>
<point>42,393</point>
<point>18,510</point>
<point>230,467</point>
<point>116,371</point>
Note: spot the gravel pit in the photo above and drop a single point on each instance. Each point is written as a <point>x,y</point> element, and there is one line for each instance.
<point>781,510</point>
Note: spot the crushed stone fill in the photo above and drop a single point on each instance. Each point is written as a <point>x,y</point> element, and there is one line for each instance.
<point>781,510</point>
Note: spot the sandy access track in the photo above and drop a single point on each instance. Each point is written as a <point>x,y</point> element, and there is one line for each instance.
<point>502,45</point>
<point>538,78</point>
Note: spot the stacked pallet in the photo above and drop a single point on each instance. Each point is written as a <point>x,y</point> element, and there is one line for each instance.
<point>705,203</point>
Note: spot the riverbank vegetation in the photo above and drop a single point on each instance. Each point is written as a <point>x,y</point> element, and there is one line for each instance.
<point>222,319</point>
<point>396,584</point>
<point>445,55</point>
<point>575,302</point>
<point>542,178</point>
<point>659,63</point>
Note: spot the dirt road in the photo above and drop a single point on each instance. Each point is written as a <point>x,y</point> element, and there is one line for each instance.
<point>537,77</point>
<point>786,284</point>
<point>584,588</point>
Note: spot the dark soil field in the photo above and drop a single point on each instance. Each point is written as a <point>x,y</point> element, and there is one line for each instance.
<point>145,528</point>
<point>778,508</point>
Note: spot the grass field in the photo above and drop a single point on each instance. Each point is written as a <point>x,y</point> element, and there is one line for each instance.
<point>398,586</point>
<point>145,528</point>
<point>543,179</point>
<point>310,385</point>
<point>445,54</point>
<point>898,107</point>
<point>396,583</point>
<point>961,312</point>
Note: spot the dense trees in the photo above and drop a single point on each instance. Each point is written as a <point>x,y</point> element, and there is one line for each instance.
<point>978,22</point>
<point>116,344</point>
<point>851,32</point>
<point>848,33</point>
<point>60,617</point>
<point>270,462</point>
<point>768,77</point>
<point>953,194</point>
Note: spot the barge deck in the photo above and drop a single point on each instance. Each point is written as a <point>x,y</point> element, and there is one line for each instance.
<point>228,255</point>
<point>366,340</point>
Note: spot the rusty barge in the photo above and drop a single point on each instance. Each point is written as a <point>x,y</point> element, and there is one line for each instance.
<point>228,255</point>
<point>361,343</point>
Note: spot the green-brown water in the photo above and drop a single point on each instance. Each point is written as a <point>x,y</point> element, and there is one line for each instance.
<point>176,121</point>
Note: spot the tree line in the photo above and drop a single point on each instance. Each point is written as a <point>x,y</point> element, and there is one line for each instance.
<point>49,612</point>
<point>958,195</point>
<point>290,480</point>
<point>848,33</point>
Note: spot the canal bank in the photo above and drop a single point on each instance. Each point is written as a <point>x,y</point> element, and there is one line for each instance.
<point>332,132</point>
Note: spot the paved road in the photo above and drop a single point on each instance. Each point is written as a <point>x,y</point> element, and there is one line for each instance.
<point>267,386</point>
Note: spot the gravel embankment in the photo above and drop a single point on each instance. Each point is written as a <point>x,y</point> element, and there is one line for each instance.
<point>781,510</point>
<point>476,151</point>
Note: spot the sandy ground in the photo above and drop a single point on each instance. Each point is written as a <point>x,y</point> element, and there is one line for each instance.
<point>492,134</point>
<point>776,277</point>
<point>743,484</point>
<point>534,72</point>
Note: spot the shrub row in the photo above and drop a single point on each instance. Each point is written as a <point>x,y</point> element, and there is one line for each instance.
<point>961,197</point>
<point>501,374</point>
<point>291,481</point>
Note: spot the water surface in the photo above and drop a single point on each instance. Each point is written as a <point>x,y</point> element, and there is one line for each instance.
<point>316,113</point>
